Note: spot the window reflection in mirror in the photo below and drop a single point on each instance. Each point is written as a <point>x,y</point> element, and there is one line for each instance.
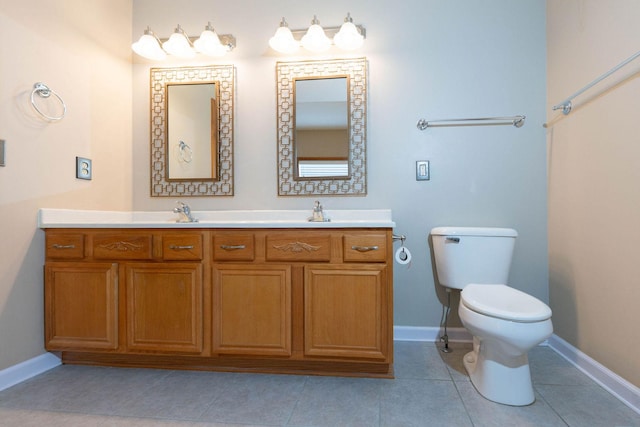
<point>321,124</point>
<point>192,129</point>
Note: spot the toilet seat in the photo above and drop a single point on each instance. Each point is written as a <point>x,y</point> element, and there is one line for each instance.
<point>503,302</point>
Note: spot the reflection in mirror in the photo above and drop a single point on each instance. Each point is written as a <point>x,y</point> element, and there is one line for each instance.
<point>192,145</point>
<point>321,137</point>
<point>192,129</point>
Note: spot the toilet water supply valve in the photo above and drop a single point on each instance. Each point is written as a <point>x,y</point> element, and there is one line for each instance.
<point>444,337</point>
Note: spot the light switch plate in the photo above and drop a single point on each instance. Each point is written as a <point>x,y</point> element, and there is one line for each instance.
<point>83,168</point>
<point>422,170</point>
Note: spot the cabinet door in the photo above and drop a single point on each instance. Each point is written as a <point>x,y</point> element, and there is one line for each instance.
<point>81,306</point>
<point>252,309</point>
<point>346,312</point>
<point>164,307</point>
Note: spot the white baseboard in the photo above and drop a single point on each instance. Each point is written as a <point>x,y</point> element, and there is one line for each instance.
<point>626,392</point>
<point>430,334</point>
<point>29,368</point>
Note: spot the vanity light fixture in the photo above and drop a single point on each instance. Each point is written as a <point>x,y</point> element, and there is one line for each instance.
<point>282,40</point>
<point>348,38</point>
<point>179,44</point>
<point>148,46</point>
<point>317,39</point>
<point>209,43</point>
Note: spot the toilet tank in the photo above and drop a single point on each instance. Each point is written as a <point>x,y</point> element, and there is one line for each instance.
<point>466,255</point>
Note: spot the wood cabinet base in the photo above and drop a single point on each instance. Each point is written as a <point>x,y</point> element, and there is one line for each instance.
<point>295,301</point>
<point>232,364</point>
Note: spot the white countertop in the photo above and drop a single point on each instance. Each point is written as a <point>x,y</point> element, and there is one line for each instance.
<point>71,218</point>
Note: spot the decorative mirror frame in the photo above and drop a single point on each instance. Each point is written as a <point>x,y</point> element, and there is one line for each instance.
<point>161,186</point>
<point>286,73</point>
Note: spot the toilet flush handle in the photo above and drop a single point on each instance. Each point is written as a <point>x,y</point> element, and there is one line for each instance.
<point>452,240</point>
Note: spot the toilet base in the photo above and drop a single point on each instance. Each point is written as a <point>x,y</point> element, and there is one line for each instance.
<point>507,382</point>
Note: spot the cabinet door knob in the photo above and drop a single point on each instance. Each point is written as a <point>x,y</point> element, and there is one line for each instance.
<point>57,246</point>
<point>179,248</point>
<point>364,248</point>
<point>232,247</point>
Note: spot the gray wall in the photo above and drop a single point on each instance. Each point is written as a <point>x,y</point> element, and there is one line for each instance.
<point>427,58</point>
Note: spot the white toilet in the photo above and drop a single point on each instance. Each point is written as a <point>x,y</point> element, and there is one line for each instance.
<point>505,322</point>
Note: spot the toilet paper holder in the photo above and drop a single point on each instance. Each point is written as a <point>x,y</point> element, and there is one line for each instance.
<point>403,256</point>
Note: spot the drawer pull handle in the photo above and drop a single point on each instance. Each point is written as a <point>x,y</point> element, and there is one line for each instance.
<point>364,248</point>
<point>57,246</point>
<point>232,247</point>
<point>180,248</point>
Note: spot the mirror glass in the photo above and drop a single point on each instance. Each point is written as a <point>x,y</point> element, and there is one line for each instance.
<point>322,127</point>
<point>192,131</point>
<point>321,137</point>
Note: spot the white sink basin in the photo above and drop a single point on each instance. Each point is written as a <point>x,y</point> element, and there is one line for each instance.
<point>69,218</point>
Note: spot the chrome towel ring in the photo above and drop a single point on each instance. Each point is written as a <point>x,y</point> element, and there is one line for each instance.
<point>45,92</point>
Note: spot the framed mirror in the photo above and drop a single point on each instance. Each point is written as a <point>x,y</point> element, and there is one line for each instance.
<point>192,131</point>
<point>322,127</point>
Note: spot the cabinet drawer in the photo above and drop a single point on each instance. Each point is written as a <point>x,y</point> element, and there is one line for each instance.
<point>122,246</point>
<point>177,247</point>
<point>298,247</point>
<point>65,246</point>
<point>233,247</point>
<point>365,247</point>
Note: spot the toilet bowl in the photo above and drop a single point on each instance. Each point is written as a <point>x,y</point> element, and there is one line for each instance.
<point>506,324</point>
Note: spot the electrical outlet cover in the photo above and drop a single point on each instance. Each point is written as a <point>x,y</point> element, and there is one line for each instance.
<point>83,168</point>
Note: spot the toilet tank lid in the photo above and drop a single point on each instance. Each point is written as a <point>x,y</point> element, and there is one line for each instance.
<point>504,302</point>
<point>474,231</point>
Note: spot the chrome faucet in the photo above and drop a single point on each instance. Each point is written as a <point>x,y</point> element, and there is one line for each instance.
<point>185,212</point>
<point>318,214</point>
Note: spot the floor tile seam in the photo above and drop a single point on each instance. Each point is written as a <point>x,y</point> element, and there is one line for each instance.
<point>541,396</point>
<point>439,380</point>
<point>295,405</point>
<point>464,405</point>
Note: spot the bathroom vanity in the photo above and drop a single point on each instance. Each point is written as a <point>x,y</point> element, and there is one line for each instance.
<point>260,291</point>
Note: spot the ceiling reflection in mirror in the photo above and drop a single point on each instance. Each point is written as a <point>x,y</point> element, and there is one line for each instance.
<point>192,131</point>
<point>321,127</point>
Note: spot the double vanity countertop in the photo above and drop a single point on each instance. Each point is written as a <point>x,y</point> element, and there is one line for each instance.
<point>357,218</point>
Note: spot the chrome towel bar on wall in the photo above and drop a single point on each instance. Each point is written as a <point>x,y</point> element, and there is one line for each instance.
<point>516,121</point>
<point>566,105</point>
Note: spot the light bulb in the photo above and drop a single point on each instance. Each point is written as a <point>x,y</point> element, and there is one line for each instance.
<point>209,43</point>
<point>283,41</point>
<point>148,46</point>
<point>179,45</point>
<point>348,38</point>
<point>315,39</point>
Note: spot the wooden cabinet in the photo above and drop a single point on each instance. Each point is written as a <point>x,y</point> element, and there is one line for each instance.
<point>252,309</point>
<point>164,307</point>
<point>269,300</point>
<point>345,311</point>
<point>81,306</point>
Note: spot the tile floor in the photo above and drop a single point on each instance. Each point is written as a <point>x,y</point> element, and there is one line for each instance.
<point>430,389</point>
